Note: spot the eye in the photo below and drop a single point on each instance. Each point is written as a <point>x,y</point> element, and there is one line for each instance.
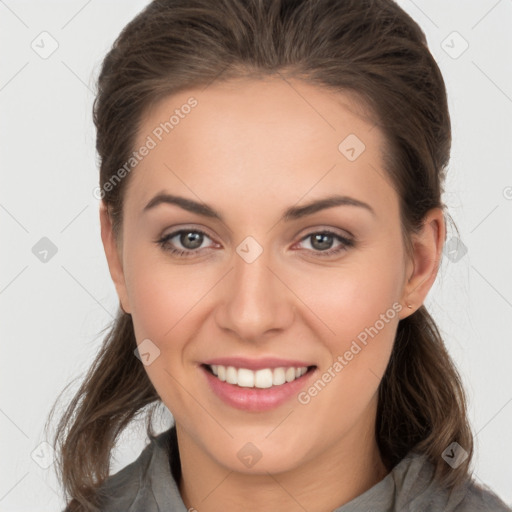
<point>189,242</point>
<point>185,242</point>
<point>326,243</point>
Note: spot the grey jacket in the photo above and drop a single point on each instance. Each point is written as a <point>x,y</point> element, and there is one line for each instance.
<point>148,485</point>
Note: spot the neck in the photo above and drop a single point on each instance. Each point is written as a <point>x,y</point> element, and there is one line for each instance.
<point>325,482</point>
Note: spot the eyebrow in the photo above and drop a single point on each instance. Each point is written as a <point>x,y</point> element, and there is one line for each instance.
<point>292,213</point>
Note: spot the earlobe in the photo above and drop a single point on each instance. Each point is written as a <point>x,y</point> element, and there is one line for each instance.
<point>113,256</point>
<point>427,246</point>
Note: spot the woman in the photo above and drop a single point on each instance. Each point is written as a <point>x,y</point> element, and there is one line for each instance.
<point>270,181</point>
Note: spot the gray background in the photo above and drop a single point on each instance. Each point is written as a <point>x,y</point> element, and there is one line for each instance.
<point>53,311</point>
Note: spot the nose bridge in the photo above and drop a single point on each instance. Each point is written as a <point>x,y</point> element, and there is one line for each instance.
<point>255,301</point>
<point>252,279</point>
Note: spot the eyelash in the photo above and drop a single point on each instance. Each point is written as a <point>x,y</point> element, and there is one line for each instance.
<point>345,243</point>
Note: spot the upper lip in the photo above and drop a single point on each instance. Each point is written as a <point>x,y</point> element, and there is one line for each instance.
<point>257,364</point>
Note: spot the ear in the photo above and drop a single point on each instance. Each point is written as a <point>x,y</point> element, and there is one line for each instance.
<point>427,246</point>
<point>113,252</point>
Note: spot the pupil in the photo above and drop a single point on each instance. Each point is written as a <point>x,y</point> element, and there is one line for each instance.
<point>191,240</point>
<point>322,241</point>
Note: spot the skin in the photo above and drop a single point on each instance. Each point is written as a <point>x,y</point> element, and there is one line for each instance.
<point>251,149</point>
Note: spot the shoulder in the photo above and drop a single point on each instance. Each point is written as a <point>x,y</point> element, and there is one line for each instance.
<point>416,490</point>
<point>130,488</point>
<point>479,498</point>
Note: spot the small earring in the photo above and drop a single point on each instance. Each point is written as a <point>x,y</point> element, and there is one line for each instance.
<point>409,306</point>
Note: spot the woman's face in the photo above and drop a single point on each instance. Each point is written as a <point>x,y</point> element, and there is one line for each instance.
<point>268,276</point>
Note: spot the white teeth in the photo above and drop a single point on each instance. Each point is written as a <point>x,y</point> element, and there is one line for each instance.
<point>245,378</point>
<point>231,375</point>
<point>262,379</point>
<point>278,376</point>
<point>290,374</point>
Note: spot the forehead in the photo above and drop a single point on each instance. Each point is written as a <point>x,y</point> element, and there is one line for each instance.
<point>277,136</point>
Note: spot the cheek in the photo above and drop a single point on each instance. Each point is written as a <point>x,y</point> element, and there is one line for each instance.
<point>166,299</point>
<point>360,306</point>
<point>162,294</point>
<point>355,296</point>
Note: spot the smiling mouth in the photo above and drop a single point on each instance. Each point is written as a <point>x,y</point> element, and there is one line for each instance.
<point>263,379</point>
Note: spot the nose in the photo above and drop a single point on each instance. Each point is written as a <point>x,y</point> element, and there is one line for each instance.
<point>255,300</point>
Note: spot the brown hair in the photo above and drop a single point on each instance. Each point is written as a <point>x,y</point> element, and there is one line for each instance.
<point>371,48</point>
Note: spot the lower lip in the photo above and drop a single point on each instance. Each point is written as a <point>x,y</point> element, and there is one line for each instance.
<point>255,399</point>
